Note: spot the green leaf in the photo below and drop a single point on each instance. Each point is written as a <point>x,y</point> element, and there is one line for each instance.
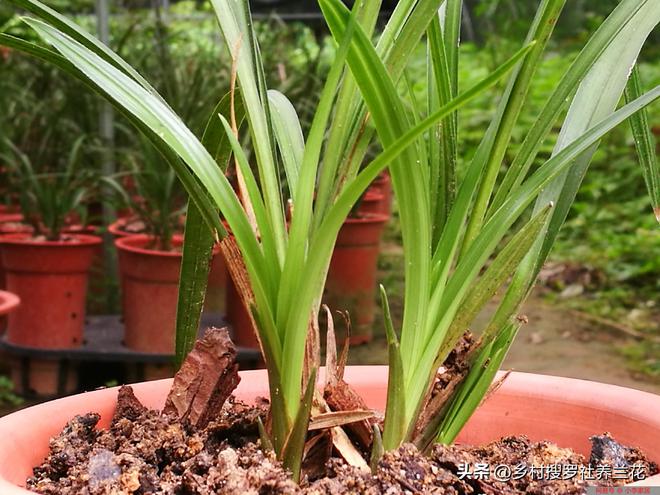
<point>644,142</point>
<point>443,153</point>
<point>236,26</point>
<point>159,119</point>
<point>198,240</point>
<point>195,263</point>
<point>497,273</point>
<point>621,20</point>
<point>295,444</point>
<point>294,308</point>
<point>395,420</point>
<point>470,393</point>
<point>266,443</point>
<point>377,449</point>
<point>289,137</point>
<point>509,110</point>
<point>445,302</point>
<point>189,182</point>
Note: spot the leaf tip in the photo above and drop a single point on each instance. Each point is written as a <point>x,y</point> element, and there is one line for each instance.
<point>656,211</point>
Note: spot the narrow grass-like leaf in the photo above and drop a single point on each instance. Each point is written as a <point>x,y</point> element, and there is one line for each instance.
<point>165,124</point>
<point>235,23</point>
<point>289,137</point>
<point>320,245</point>
<point>644,142</point>
<point>266,443</point>
<point>443,153</point>
<point>195,259</point>
<point>509,109</point>
<point>494,230</point>
<point>497,273</point>
<point>614,26</point>
<point>295,444</point>
<point>293,308</point>
<point>395,421</point>
<point>476,384</point>
<point>377,449</point>
<point>198,240</point>
<point>190,183</point>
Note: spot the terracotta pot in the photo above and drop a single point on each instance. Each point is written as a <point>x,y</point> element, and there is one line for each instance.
<point>351,282</point>
<point>8,303</point>
<point>149,284</point>
<point>563,410</point>
<point>9,216</point>
<point>117,228</point>
<point>372,202</point>
<point>150,287</point>
<point>10,223</point>
<point>383,185</point>
<point>40,378</point>
<point>50,277</point>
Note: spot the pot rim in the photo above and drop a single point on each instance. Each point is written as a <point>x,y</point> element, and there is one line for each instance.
<point>373,195</point>
<point>10,217</point>
<point>135,244</point>
<point>115,228</point>
<point>8,302</point>
<point>602,399</point>
<point>368,218</point>
<point>26,239</point>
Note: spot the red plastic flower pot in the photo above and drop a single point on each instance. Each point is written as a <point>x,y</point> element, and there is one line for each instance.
<point>8,302</point>
<point>150,288</point>
<point>8,216</point>
<point>351,282</point>
<point>372,202</point>
<point>383,185</point>
<point>118,228</point>
<point>50,277</point>
<point>563,410</point>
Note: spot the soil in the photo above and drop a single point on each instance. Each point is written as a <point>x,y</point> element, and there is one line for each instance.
<point>149,452</point>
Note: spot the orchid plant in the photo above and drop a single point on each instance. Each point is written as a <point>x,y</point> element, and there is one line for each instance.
<point>463,239</point>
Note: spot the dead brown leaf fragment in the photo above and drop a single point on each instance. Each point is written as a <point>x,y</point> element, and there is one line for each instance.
<point>206,379</point>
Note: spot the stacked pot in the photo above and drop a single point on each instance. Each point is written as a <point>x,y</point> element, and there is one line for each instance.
<point>50,277</point>
<point>149,279</point>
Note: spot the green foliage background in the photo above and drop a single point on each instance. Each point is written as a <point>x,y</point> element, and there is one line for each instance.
<point>610,228</point>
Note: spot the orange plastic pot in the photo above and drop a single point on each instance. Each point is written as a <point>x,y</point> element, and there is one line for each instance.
<point>50,277</point>
<point>562,410</point>
<point>150,287</point>
<point>117,228</point>
<point>8,302</point>
<point>372,202</point>
<point>383,185</point>
<point>352,276</point>
<point>8,216</point>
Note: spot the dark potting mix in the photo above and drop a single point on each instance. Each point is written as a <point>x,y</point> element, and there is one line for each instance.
<point>205,441</point>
